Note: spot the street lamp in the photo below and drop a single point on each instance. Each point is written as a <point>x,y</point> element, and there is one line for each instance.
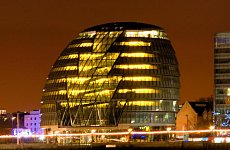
<point>212,128</point>
<point>18,140</point>
<point>92,137</point>
<point>12,123</point>
<point>130,131</point>
<point>168,129</point>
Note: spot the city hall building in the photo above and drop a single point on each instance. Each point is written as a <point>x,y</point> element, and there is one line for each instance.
<point>114,75</point>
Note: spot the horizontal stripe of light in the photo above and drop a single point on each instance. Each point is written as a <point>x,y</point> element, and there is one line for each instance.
<point>137,55</point>
<point>141,78</point>
<point>134,43</point>
<point>80,45</point>
<point>136,66</point>
<point>146,34</point>
<point>138,90</point>
<point>72,56</point>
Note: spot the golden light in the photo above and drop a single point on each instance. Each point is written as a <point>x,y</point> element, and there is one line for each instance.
<point>130,130</point>
<point>212,127</point>
<point>168,129</point>
<point>93,131</point>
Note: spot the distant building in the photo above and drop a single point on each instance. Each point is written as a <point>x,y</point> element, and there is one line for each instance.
<point>204,114</point>
<point>194,115</point>
<point>6,123</point>
<point>186,118</point>
<point>2,111</point>
<point>32,121</point>
<point>20,120</point>
<point>222,79</point>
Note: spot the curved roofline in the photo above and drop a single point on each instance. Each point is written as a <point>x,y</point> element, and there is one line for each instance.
<point>118,26</point>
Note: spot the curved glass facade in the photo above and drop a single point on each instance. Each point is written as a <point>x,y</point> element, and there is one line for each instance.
<point>112,74</point>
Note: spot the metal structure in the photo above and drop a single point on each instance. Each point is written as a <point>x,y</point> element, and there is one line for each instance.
<point>222,79</point>
<point>115,73</point>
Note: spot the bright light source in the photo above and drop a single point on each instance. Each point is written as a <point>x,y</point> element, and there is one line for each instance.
<point>212,127</point>
<point>93,131</point>
<point>168,129</point>
<point>130,130</point>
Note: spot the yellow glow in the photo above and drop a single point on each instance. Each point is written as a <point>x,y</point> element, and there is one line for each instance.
<point>149,34</point>
<point>69,80</point>
<point>71,92</point>
<point>62,92</point>
<point>78,79</point>
<point>71,104</point>
<point>103,92</point>
<point>89,34</point>
<point>80,45</point>
<point>65,68</point>
<point>137,66</point>
<point>75,92</point>
<point>146,34</point>
<point>103,70</point>
<point>138,90</point>
<point>140,103</point>
<point>141,78</point>
<point>72,56</point>
<point>134,43</point>
<point>137,55</point>
<point>84,68</point>
<point>212,127</point>
<point>228,92</point>
<point>90,55</point>
<point>111,79</point>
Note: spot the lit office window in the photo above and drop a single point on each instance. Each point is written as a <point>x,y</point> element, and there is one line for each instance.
<point>137,55</point>
<point>136,66</point>
<point>133,43</point>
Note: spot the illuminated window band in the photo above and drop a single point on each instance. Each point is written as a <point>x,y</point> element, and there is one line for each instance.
<point>63,92</point>
<point>141,78</point>
<point>80,45</point>
<point>69,80</point>
<point>74,104</point>
<point>133,43</point>
<point>141,66</point>
<point>76,92</point>
<point>65,68</point>
<point>146,34</point>
<point>141,103</point>
<point>138,90</point>
<point>72,68</point>
<point>137,55</point>
<point>71,56</point>
<point>81,80</point>
<point>100,93</point>
<point>86,56</point>
<point>86,34</point>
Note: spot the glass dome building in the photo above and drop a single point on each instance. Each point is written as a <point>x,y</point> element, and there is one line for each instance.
<point>115,74</point>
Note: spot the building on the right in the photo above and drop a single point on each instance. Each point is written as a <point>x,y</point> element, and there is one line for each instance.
<point>222,80</point>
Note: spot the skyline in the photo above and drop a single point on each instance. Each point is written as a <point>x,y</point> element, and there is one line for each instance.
<point>33,34</point>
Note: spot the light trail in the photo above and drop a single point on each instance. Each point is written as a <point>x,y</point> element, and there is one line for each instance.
<point>113,133</point>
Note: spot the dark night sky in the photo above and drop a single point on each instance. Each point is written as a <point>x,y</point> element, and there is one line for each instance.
<point>34,32</point>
